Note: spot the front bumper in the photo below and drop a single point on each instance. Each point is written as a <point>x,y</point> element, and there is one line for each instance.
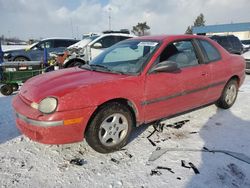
<point>57,128</point>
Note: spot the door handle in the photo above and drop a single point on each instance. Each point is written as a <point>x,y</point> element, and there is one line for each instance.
<point>204,74</point>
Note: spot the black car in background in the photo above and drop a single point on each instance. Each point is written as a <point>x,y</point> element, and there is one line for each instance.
<point>36,51</point>
<point>230,42</point>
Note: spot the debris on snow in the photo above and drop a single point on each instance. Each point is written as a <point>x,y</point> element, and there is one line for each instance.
<point>155,172</point>
<point>78,161</point>
<point>183,164</point>
<point>178,125</point>
<point>115,160</point>
<point>196,171</point>
<point>165,168</point>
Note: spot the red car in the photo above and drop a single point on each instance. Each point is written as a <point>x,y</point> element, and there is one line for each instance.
<point>136,81</point>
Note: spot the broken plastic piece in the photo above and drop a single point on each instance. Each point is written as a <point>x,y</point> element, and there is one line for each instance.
<point>196,171</point>
<point>165,168</point>
<point>153,144</point>
<point>128,154</point>
<point>114,160</point>
<point>183,164</point>
<point>240,156</point>
<point>155,172</point>
<point>77,161</point>
<point>178,125</point>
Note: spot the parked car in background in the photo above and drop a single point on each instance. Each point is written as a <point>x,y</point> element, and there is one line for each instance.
<point>134,82</point>
<point>246,44</point>
<point>246,55</point>
<point>36,51</point>
<point>230,42</point>
<point>88,48</point>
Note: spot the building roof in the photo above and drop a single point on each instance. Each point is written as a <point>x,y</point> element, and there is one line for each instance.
<point>233,27</point>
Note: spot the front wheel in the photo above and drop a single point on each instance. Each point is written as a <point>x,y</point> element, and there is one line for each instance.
<point>229,95</point>
<point>75,63</point>
<point>7,89</point>
<point>109,130</point>
<point>20,58</point>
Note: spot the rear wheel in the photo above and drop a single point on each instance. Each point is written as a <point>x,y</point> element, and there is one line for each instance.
<point>6,90</point>
<point>109,130</point>
<point>229,95</point>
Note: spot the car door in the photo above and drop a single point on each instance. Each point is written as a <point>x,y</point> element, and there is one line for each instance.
<point>168,93</point>
<point>218,68</point>
<point>37,52</point>
<point>105,42</point>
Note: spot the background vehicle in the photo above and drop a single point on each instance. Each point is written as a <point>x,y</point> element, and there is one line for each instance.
<point>36,51</point>
<point>13,74</point>
<point>246,44</point>
<point>88,48</point>
<point>137,81</point>
<point>230,42</point>
<point>246,55</point>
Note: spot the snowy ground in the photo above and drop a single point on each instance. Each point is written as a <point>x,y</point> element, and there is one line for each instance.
<point>13,47</point>
<point>24,163</point>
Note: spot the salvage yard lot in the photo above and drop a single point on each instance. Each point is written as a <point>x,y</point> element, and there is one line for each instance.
<point>24,163</point>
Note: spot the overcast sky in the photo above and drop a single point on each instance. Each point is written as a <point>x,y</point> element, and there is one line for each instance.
<point>71,18</point>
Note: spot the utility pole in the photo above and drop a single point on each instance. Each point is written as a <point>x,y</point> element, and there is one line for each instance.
<point>109,11</point>
<point>71,24</point>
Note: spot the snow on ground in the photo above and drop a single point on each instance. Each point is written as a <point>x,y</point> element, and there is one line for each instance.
<point>13,47</point>
<point>24,163</point>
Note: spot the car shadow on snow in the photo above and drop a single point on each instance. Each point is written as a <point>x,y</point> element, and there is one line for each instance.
<point>224,131</point>
<point>8,129</point>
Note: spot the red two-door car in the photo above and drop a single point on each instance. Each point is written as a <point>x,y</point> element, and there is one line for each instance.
<point>136,81</point>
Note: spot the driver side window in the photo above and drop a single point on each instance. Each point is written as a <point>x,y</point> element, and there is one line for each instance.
<point>181,52</point>
<point>46,44</point>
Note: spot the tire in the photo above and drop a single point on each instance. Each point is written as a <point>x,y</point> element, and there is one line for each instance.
<point>20,58</point>
<point>75,63</point>
<point>6,90</point>
<point>15,87</point>
<point>228,95</point>
<point>110,128</point>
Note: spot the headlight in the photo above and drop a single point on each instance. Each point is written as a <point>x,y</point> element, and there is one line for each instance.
<point>48,105</point>
<point>6,55</point>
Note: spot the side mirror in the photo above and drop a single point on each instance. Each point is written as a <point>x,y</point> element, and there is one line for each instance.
<point>165,66</point>
<point>97,45</point>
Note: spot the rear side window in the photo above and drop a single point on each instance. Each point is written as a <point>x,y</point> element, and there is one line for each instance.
<point>211,52</point>
<point>108,41</point>
<point>60,43</point>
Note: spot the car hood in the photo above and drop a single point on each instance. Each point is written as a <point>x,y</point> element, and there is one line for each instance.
<point>15,51</point>
<point>64,82</point>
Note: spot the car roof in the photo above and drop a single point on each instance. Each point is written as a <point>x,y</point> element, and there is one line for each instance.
<point>58,38</point>
<point>171,37</point>
<point>117,34</point>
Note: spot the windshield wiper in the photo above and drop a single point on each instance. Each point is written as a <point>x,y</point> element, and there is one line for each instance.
<point>99,66</point>
<point>105,68</point>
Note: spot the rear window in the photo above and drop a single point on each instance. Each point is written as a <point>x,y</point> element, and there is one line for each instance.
<point>211,52</point>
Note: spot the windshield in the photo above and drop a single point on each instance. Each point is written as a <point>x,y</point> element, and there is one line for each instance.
<point>127,57</point>
<point>83,42</point>
<point>31,46</point>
